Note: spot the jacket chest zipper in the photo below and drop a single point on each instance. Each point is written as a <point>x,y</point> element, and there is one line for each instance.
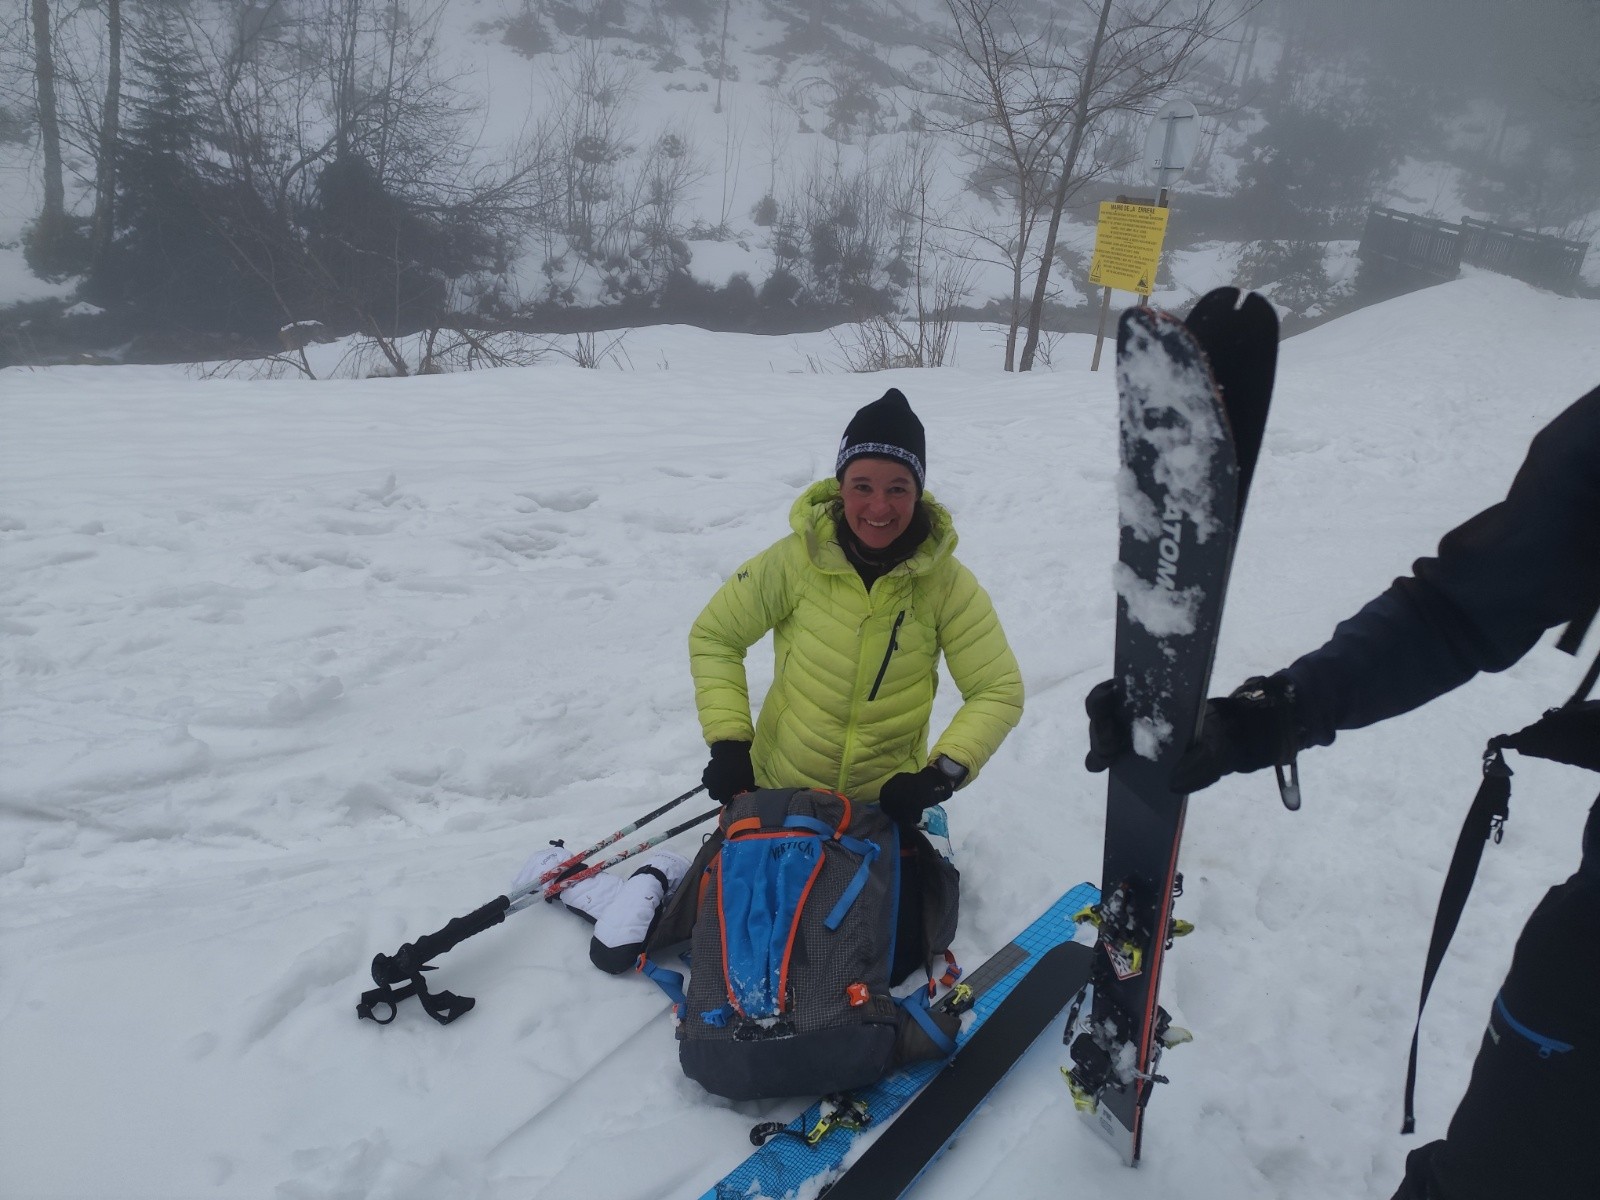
<point>894,635</point>
<point>849,749</point>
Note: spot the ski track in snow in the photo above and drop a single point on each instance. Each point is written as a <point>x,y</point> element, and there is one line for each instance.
<point>293,673</point>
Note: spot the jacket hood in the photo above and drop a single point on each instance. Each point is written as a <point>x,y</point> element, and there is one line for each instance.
<point>812,517</point>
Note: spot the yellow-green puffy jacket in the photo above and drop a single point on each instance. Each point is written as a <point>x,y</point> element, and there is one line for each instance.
<point>855,672</point>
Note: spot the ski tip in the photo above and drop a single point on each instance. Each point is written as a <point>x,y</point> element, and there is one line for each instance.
<point>1229,306</point>
<point>1234,309</point>
<point>1153,322</point>
<point>1228,297</point>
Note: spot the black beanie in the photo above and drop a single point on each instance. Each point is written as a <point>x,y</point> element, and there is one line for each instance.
<point>886,428</point>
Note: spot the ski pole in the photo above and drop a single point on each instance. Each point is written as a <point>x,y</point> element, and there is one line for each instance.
<point>528,895</point>
<point>568,864</point>
<point>406,965</point>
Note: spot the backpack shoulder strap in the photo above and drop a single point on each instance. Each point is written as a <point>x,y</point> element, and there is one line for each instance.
<point>1572,636</point>
<point>1587,684</point>
<point>675,924</point>
<point>1485,819</point>
<point>1569,734</point>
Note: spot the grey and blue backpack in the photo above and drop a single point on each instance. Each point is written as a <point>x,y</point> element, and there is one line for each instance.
<point>792,912</point>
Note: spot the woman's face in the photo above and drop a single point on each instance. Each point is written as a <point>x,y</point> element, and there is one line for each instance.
<point>880,496</point>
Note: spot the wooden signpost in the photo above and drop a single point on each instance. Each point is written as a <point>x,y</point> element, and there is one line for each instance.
<point>1128,237</point>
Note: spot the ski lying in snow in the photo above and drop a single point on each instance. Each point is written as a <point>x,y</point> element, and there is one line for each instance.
<point>809,1152</point>
<point>1193,399</point>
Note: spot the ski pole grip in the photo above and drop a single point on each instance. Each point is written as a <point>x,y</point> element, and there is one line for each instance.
<point>410,958</point>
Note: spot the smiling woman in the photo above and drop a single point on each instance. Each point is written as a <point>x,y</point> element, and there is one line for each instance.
<point>862,599</point>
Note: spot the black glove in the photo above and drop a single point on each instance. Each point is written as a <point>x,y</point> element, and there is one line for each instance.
<point>1251,728</point>
<point>1110,735</point>
<point>905,796</point>
<point>729,772</point>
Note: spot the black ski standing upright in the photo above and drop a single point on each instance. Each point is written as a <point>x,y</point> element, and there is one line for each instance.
<point>1193,396</point>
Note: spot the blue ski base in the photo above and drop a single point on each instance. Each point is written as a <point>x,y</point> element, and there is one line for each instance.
<point>787,1167</point>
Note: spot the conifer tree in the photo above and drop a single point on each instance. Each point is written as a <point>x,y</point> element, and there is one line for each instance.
<point>170,258</point>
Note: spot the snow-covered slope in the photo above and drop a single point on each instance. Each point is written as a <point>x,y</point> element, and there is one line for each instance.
<point>294,672</point>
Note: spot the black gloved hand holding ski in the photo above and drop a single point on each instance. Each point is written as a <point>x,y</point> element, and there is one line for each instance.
<point>1252,727</point>
<point>1109,734</point>
<point>906,796</point>
<point>729,772</point>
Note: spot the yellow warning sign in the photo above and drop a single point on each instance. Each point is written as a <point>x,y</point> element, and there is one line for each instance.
<point>1127,247</point>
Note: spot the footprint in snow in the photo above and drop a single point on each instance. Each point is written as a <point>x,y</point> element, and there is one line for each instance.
<point>313,973</point>
<point>292,705</point>
<point>212,595</point>
<point>527,542</point>
<point>559,501</point>
<point>662,522</point>
<point>301,561</point>
<point>60,559</point>
<point>352,528</point>
<point>386,495</point>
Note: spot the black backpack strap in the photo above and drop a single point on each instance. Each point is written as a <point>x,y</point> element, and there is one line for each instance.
<point>1572,638</point>
<point>1485,819</point>
<point>1569,734</point>
<point>1589,676</point>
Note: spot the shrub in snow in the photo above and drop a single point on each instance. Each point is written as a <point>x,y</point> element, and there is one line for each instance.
<point>1292,273</point>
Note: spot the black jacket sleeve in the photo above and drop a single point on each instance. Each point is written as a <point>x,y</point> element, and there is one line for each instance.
<point>1497,583</point>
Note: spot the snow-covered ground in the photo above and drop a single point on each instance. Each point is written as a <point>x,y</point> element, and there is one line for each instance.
<point>293,672</point>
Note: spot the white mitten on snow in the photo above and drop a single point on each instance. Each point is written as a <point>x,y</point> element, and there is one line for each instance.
<point>620,931</point>
<point>588,899</point>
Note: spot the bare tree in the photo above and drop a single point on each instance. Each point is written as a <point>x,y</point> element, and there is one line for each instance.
<point>777,131</point>
<point>733,135</point>
<point>722,55</point>
<point>110,127</point>
<point>1036,104</point>
<point>648,222</point>
<point>1140,49</point>
<point>74,72</point>
<point>1000,80</point>
<point>935,275</point>
<point>594,138</point>
<point>341,172</point>
<point>846,219</point>
<point>53,216</point>
<point>616,195</point>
